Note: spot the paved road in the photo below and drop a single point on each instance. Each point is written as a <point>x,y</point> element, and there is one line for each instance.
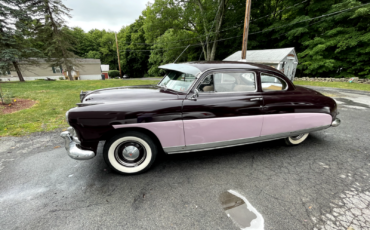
<point>321,184</point>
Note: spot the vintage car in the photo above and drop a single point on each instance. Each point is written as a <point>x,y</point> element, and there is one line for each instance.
<point>197,106</point>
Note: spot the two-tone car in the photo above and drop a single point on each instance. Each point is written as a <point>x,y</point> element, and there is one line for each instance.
<point>196,106</point>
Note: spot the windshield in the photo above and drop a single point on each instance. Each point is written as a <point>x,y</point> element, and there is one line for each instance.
<point>177,81</point>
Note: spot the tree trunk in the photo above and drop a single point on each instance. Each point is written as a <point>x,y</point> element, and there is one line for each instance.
<point>19,73</point>
<point>69,70</point>
<point>210,47</point>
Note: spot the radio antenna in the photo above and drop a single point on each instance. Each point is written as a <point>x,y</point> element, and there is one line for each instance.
<point>181,54</point>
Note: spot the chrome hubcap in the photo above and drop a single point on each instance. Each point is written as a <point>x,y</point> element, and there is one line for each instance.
<point>130,153</point>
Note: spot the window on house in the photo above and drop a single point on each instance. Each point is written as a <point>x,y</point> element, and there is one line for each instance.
<point>56,69</point>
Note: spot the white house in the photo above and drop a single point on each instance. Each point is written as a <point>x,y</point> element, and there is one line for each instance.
<point>88,69</point>
<point>285,59</point>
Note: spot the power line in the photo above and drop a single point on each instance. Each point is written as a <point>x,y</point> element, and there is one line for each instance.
<point>280,11</point>
<point>306,20</point>
<point>262,31</point>
<point>229,28</point>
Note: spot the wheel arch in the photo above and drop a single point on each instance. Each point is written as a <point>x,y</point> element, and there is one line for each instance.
<point>115,132</point>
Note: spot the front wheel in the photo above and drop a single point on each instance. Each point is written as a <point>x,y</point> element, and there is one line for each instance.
<point>296,140</point>
<point>130,153</point>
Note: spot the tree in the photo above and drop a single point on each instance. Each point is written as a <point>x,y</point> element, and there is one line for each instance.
<point>93,54</point>
<point>134,50</point>
<point>200,17</point>
<point>14,48</point>
<point>53,32</point>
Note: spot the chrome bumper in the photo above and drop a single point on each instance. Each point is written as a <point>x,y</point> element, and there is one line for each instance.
<point>73,151</point>
<point>336,122</point>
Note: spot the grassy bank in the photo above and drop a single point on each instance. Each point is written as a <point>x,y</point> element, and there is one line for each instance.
<point>53,98</point>
<point>341,85</point>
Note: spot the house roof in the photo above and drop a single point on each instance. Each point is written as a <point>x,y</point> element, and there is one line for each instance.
<point>268,56</point>
<point>105,68</point>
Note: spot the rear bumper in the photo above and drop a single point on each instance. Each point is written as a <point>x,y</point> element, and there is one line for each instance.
<point>336,122</point>
<point>73,150</point>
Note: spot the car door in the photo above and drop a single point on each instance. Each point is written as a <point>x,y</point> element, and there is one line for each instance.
<point>285,109</point>
<point>227,110</point>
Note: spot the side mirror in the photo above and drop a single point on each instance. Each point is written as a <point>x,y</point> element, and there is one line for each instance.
<point>195,95</point>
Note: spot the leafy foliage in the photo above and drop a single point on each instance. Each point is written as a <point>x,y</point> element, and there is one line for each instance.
<point>113,73</point>
<point>52,31</point>
<point>331,38</point>
<point>14,47</point>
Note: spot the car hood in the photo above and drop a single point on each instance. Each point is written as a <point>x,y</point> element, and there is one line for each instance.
<point>129,93</point>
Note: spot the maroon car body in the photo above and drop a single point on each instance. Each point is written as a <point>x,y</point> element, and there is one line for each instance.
<point>211,105</point>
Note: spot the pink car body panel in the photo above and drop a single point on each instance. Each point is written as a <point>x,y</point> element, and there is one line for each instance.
<point>283,123</point>
<point>202,131</point>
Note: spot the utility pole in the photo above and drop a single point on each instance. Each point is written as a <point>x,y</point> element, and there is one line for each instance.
<point>119,64</point>
<point>246,28</point>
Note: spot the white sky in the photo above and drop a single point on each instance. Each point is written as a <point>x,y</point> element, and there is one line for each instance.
<point>104,14</point>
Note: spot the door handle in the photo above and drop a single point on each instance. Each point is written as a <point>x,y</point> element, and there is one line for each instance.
<point>257,99</point>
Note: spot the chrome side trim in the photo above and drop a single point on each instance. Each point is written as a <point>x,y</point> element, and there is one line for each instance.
<point>231,143</point>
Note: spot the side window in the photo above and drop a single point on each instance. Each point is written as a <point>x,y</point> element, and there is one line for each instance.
<point>207,85</point>
<point>271,83</point>
<point>229,82</point>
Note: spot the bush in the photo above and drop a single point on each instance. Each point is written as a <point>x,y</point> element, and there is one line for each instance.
<point>113,73</point>
<point>6,97</point>
<point>61,78</point>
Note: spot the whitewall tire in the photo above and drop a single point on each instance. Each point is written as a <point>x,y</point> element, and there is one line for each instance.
<point>130,152</point>
<point>296,140</point>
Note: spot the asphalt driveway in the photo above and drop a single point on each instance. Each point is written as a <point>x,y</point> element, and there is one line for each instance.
<point>322,184</point>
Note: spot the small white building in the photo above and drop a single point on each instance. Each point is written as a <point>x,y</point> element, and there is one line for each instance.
<point>285,59</point>
<point>105,70</point>
<point>88,69</point>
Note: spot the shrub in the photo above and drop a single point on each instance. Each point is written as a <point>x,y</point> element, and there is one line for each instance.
<point>6,97</point>
<point>113,73</point>
<point>61,78</point>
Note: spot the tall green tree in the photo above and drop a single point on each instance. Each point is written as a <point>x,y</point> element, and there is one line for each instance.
<point>134,53</point>
<point>53,32</point>
<point>200,17</point>
<point>14,47</point>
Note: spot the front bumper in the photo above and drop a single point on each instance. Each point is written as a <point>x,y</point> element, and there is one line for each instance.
<point>73,150</point>
<point>336,122</point>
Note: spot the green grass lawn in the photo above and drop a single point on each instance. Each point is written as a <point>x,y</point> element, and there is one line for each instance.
<point>342,85</point>
<point>53,98</point>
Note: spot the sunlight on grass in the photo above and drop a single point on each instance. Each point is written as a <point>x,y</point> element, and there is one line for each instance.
<point>53,98</point>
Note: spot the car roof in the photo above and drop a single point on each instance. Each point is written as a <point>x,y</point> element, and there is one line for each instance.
<point>202,66</point>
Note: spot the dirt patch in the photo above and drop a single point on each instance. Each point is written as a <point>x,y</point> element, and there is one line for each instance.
<point>17,105</point>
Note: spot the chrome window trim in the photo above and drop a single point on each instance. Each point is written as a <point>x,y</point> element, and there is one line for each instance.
<point>229,70</point>
<point>272,75</point>
<point>238,142</point>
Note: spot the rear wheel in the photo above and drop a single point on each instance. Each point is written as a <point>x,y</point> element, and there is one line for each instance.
<point>296,140</point>
<point>130,152</point>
